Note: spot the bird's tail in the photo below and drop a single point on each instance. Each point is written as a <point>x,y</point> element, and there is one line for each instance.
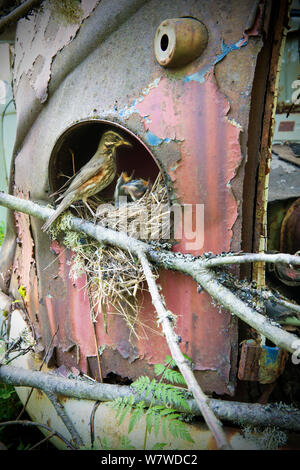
<point>65,203</point>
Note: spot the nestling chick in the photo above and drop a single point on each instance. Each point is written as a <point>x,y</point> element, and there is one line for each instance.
<point>132,189</point>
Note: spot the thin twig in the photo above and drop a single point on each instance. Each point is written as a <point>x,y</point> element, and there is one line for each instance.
<point>279,300</point>
<point>97,351</point>
<point>92,422</point>
<point>42,441</point>
<point>164,318</point>
<point>40,368</point>
<point>73,161</point>
<point>39,425</point>
<point>65,419</point>
<point>11,347</point>
<point>223,260</point>
<point>264,325</point>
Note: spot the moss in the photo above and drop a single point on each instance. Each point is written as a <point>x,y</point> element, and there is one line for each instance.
<point>270,438</point>
<point>2,231</point>
<point>66,11</point>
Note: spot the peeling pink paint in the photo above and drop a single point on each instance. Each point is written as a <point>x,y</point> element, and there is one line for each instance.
<point>210,152</point>
<point>74,323</point>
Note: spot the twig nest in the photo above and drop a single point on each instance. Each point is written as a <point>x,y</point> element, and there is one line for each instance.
<point>114,276</point>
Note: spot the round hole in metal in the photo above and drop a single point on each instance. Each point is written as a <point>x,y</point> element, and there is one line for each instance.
<point>164,42</point>
<point>82,139</point>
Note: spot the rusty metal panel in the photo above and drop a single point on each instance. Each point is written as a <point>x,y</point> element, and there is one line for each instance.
<point>261,363</point>
<point>193,120</point>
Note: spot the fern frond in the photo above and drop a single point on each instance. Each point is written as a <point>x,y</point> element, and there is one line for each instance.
<point>171,395</point>
<point>179,429</point>
<point>125,443</point>
<point>124,413</point>
<point>136,415</point>
<point>159,446</point>
<point>141,384</point>
<point>169,361</point>
<point>149,418</point>
<point>152,387</point>
<point>174,377</point>
<point>122,406</point>
<point>159,369</point>
<point>156,425</point>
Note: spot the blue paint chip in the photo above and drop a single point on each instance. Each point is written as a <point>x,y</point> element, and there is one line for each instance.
<point>226,49</point>
<point>153,139</point>
<point>197,76</point>
<point>271,354</point>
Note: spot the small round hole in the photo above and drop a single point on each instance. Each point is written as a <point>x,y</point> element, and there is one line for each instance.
<point>164,42</point>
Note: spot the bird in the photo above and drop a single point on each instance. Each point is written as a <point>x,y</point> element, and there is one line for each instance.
<point>94,176</point>
<point>133,189</point>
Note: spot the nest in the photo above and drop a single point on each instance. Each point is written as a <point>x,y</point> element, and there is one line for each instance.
<point>114,276</point>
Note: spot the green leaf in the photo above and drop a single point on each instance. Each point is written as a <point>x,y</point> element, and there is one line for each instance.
<point>149,420</point>
<point>164,424</point>
<point>151,387</point>
<point>159,369</point>
<point>105,445</point>
<point>125,443</point>
<point>124,413</point>
<point>157,420</point>
<point>169,361</point>
<point>187,357</point>
<point>159,446</point>
<point>22,291</point>
<point>167,411</point>
<point>141,384</point>
<point>174,376</point>
<point>5,394</point>
<point>135,417</point>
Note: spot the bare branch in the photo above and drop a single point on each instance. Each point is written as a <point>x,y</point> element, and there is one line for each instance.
<point>165,318</point>
<point>65,418</point>
<point>187,264</point>
<point>259,322</point>
<point>252,258</point>
<point>198,268</point>
<point>239,413</point>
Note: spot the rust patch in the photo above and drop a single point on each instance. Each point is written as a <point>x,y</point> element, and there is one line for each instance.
<point>113,362</point>
<point>286,126</point>
<point>263,364</point>
<point>260,227</point>
<point>290,229</point>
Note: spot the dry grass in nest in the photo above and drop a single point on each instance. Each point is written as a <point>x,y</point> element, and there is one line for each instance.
<point>114,276</point>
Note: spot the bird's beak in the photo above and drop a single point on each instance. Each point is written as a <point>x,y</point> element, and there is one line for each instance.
<point>125,142</point>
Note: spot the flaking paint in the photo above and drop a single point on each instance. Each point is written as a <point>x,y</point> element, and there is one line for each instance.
<point>189,123</point>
